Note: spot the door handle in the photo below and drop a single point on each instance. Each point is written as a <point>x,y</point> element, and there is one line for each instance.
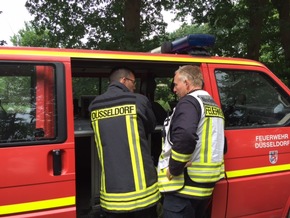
<point>57,162</point>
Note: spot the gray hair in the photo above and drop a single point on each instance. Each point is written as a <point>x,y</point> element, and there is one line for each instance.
<point>191,73</point>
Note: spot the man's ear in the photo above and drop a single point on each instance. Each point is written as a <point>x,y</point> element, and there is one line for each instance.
<point>122,80</point>
<point>186,83</point>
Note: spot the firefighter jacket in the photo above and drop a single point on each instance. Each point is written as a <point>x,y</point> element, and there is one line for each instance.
<point>121,121</point>
<point>193,147</point>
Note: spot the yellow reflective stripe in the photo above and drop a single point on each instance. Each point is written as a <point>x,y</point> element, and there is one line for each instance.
<point>205,151</point>
<point>99,146</point>
<point>205,166</point>
<point>135,152</point>
<point>206,177</point>
<point>131,205</point>
<point>196,191</point>
<point>100,153</point>
<point>210,172</point>
<point>131,196</point>
<point>165,185</point>
<point>37,205</point>
<point>180,157</point>
<point>208,150</point>
<point>126,56</point>
<point>257,171</point>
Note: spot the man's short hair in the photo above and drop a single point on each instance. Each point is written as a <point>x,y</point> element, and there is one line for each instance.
<point>120,72</point>
<point>192,73</point>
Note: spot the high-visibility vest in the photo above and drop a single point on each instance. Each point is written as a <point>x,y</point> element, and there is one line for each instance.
<point>207,164</point>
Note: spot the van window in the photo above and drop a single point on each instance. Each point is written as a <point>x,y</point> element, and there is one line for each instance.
<point>251,99</point>
<point>27,102</point>
<point>85,89</point>
<point>163,94</point>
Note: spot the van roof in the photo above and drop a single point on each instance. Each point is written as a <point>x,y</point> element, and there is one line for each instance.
<point>118,55</point>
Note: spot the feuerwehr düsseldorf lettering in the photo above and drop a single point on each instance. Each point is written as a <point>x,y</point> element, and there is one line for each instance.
<point>113,112</point>
<point>213,111</point>
<point>270,141</point>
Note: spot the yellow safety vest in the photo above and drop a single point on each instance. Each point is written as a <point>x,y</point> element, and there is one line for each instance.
<point>207,164</point>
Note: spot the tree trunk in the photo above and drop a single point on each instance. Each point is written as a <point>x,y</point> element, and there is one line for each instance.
<point>257,13</point>
<point>132,19</point>
<point>283,7</point>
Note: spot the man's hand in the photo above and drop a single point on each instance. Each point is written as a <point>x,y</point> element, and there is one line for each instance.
<point>169,176</point>
<point>188,164</point>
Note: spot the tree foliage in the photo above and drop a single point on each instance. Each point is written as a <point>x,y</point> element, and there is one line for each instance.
<point>100,24</point>
<point>257,29</point>
<point>28,36</point>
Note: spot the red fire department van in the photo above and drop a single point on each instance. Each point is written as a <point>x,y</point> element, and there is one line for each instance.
<point>49,165</point>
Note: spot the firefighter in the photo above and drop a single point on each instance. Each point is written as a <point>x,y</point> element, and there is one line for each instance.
<point>122,121</point>
<point>191,161</point>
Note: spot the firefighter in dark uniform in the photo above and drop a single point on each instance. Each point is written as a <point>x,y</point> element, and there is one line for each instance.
<point>191,161</point>
<point>121,122</point>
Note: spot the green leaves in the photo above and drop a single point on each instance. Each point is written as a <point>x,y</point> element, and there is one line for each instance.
<point>94,24</point>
